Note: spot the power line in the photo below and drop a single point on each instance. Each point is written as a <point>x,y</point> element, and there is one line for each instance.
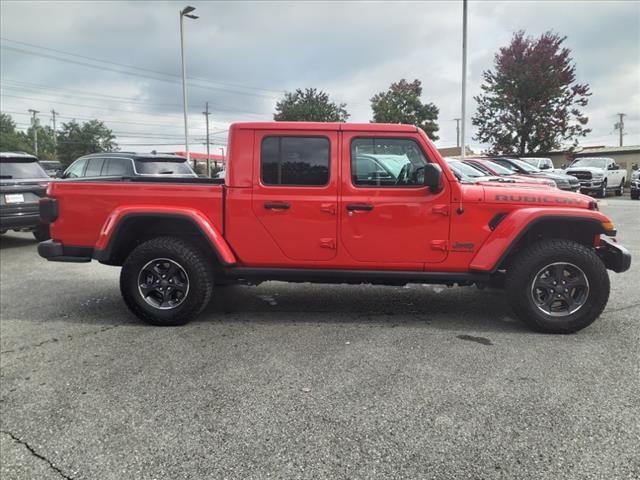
<point>31,45</point>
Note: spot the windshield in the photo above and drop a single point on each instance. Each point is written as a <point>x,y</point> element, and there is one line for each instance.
<point>590,162</point>
<point>163,166</point>
<point>499,169</point>
<point>525,166</point>
<point>464,170</point>
<point>20,169</point>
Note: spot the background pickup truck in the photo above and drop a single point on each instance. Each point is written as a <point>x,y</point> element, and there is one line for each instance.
<point>341,203</point>
<point>598,175</point>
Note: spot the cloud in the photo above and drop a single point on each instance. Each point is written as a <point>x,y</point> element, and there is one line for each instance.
<point>248,53</point>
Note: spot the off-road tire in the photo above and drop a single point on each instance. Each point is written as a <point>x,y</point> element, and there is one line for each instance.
<point>531,260</point>
<point>620,189</point>
<point>41,233</point>
<point>635,196</point>
<point>195,263</point>
<point>602,193</point>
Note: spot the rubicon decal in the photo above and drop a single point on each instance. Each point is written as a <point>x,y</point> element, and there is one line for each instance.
<point>536,199</point>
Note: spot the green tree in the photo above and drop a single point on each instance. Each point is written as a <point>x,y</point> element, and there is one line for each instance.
<point>309,105</point>
<point>402,104</point>
<point>75,140</point>
<point>46,143</point>
<point>12,140</point>
<point>530,100</point>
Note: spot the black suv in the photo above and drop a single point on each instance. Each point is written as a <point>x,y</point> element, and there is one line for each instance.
<point>23,183</point>
<point>129,164</point>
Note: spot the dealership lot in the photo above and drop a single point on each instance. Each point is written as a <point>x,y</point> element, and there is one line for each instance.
<point>311,381</point>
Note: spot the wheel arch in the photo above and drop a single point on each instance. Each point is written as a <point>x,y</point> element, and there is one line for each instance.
<point>509,238</point>
<point>123,231</point>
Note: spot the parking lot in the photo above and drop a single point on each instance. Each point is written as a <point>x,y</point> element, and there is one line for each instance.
<point>311,381</point>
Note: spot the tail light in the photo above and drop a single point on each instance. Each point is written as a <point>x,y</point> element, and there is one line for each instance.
<point>48,209</point>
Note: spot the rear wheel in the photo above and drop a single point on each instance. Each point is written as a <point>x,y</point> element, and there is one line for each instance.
<point>620,189</point>
<point>557,286</point>
<point>166,281</point>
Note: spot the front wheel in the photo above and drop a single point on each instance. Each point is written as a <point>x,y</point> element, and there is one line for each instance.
<point>620,189</point>
<point>41,233</point>
<point>603,190</point>
<point>558,286</point>
<point>166,281</point>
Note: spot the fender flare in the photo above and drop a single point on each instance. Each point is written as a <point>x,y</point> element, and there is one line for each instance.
<point>113,225</point>
<point>517,224</point>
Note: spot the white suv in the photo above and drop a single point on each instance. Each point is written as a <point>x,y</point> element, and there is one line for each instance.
<point>598,175</point>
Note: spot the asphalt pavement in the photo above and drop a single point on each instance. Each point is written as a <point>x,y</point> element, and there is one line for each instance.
<point>311,381</point>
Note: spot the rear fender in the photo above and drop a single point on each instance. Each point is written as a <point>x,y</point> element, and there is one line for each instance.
<point>112,226</point>
<point>516,224</point>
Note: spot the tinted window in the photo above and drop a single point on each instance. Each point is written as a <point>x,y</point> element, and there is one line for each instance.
<point>94,167</point>
<point>295,161</point>
<point>75,170</point>
<point>19,168</point>
<point>386,162</point>
<point>163,166</point>
<point>117,167</point>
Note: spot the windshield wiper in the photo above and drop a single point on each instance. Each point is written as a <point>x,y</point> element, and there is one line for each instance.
<point>166,172</point>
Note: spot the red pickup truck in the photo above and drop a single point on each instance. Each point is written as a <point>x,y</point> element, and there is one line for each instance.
<point>336,203</point>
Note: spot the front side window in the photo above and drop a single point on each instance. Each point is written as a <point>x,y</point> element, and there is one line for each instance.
<point>75,170</point>
<point>387,162</point>
<point>300,161</point>
<point>94,167</point>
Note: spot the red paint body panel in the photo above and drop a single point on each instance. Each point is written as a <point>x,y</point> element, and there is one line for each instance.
<point>407,228</point>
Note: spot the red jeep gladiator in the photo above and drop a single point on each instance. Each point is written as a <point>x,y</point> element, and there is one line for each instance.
<point>336,203</point>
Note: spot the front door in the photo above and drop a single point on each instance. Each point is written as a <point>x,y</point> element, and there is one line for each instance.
<point>386,214</point>
<point>295,191</point>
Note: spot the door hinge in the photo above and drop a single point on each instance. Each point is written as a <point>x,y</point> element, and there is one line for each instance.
<point>328,243</point>
<point>441,210</point>
<point>329,208</point>
<point>439,245</point>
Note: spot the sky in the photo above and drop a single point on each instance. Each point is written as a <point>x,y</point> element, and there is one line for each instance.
<point>120,61</point>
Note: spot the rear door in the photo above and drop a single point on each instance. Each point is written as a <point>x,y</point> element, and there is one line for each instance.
<point>387,215</point>
<point>295,191</point>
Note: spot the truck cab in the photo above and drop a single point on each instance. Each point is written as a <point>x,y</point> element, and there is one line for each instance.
<point>336,202</point>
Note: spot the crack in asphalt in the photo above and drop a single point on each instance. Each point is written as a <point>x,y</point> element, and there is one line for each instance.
<point>36,454</point>
<point>55,340</point>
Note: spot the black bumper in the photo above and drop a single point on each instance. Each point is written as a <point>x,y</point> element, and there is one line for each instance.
<point>56,252</point>
<point>19,216</point>
<point>614,255</point>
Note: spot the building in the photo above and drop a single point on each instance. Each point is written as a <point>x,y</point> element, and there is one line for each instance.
<point>455,151</point>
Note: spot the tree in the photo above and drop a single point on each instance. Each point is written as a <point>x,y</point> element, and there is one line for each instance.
<point>75,140</point>
<point>530,101</point>
<point>309,105</point>
<point>402,104</point>
<point>12,140</point>
<point>46,143</point>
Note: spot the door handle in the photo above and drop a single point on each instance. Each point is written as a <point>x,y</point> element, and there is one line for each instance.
<point>277,206</point>
<point>359,207</point>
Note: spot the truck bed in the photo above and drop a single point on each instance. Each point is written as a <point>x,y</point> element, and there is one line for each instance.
<point>85,207</point>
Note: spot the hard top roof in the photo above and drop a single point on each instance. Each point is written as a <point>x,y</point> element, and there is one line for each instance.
<point>328,126</point>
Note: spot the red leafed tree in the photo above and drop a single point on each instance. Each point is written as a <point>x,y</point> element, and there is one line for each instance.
<point>530,101</point>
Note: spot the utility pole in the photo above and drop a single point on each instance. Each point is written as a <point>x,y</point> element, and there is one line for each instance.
<point>457,132</point>
<point>55,133</point>
<point>464,76</point>
<point>206,116</point>
<point>620,125</point>
<point>34,124</point>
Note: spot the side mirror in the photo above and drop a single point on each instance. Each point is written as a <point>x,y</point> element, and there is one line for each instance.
<point>433,177</point>
<point>635,166</point>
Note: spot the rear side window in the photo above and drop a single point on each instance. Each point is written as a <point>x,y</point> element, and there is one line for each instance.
<point>117,167</point>
<point>94,167</point>
<point>300,161</point>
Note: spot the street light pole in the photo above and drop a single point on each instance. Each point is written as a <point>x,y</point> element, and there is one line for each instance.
<point>34,124</point>
<point>185,12</point>
<point>206,116</point>
<point>464,77</point>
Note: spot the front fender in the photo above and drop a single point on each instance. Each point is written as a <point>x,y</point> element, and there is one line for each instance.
<point>517,223</point>
<point>109,231</point>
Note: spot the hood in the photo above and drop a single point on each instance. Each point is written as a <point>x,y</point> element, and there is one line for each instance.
<point>553,176</point>
<point>584,169</point>
<point>536,196</point>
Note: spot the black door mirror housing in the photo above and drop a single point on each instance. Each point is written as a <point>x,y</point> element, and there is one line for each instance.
<point>433,177</point>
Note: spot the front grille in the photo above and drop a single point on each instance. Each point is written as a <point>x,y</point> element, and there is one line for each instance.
<point>581,175</point>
